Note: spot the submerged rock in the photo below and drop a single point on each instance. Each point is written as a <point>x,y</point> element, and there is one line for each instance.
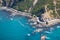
<point>43,38</point>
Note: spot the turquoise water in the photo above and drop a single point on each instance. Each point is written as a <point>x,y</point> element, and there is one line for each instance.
<point>55,34</point>
<point>18,28</point>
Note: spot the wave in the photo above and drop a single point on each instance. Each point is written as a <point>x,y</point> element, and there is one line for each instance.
<point>47,38</point>
<point>47,32</point>
<point>58,26</point>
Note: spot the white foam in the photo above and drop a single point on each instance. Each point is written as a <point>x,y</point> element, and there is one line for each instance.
<point>11,18</point>
<point>58,26</point>
<point>47,32</point>
<point>38,30</point>
<point>28,34</point>
<point>21,23</point>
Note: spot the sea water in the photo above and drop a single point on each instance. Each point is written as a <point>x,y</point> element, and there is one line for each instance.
<point>15,28</point>
<point>18,28</point>
<point>55,34</point>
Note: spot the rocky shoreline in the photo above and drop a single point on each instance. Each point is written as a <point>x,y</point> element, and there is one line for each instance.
<point>35,21</point>
<point>15,12</point>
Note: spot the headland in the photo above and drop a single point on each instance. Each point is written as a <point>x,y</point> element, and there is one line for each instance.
<point>34,20</point>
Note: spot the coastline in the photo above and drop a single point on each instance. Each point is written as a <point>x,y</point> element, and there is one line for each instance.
<point>40,24</point>
<point>16,12</point>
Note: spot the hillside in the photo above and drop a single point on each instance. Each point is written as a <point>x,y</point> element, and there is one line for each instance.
<point>36,7</point>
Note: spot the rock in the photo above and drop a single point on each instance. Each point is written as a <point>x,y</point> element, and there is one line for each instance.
<point>43,37</point>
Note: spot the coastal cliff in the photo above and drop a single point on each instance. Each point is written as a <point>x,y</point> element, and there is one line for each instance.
<point>36,7</point>
<point>43,14</point>
<point>44,10</point>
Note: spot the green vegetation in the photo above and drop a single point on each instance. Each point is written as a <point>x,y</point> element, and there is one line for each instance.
<point>53,14</point>
<point>18,4</point>
<point>23,5</point>
<point>59,12</point>
<point>58,5</point>
<point>40,4</point>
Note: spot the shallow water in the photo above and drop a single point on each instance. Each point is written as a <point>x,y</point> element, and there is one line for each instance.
<point>17,28</point>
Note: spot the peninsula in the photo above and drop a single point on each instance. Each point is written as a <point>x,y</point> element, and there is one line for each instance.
<point>41,13</point>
